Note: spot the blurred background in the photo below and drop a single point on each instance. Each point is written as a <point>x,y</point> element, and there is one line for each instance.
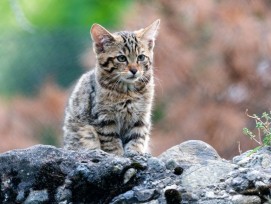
<point>212,62</point>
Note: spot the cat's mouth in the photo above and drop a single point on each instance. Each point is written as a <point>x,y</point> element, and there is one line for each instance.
<point>130,79</point>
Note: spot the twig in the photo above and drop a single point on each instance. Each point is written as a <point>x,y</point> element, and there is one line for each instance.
<point>264,126</point>
<point>239,147</point>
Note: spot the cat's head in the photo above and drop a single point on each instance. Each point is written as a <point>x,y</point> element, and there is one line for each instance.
<point>124,59</point>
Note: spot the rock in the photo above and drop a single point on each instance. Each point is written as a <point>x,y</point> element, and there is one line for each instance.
<point>156,165</point>
<point>191,172</point>
<point>260,159</point>
<point>36,197</point>
<point>128,197</point>
<point>190,152</point>
<point>65,175</point>
<point>63,194</point>
<point>201,165</point>
<point>239,184</point>
<point>252,175</point>
<point>171,164</point>
<point>216,201</point>
<point>130,173</point>
<point>201,176</point>
<point>241,199</point>
<point>145,195</point>
<point>172,196</point>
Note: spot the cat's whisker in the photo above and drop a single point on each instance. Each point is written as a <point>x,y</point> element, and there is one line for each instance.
<point>158,81</point>
<point>144,79</point>
<point>115,77</point>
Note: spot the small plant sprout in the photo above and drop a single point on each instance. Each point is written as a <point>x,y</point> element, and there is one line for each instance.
<point>263,126</point>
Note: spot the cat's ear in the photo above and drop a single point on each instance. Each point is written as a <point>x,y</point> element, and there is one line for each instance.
<point>149,33</point>
<point>101,37</point>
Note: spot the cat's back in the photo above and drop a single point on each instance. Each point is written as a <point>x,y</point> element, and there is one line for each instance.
<point>82,95</point>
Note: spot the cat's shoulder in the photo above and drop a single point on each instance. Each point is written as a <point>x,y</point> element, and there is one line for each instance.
<point>87,78</point>
<point>86,83</point>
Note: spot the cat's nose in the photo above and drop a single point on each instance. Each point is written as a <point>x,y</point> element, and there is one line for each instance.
<point>133,70</point>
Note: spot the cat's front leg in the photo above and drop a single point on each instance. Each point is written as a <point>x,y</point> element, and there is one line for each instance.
<point>136,140</point>
<point>78,137</point>
<point>111,144</point>
<point>109,138</point>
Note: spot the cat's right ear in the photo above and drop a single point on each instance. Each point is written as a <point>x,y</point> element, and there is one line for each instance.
<point>101,37</point>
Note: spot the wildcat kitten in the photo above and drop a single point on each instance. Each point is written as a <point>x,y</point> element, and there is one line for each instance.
<point>110,107</point>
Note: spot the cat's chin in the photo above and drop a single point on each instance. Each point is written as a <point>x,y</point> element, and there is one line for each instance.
<point>129,80</point>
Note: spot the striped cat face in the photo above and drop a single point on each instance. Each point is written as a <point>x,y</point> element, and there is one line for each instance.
<point>124,58</point>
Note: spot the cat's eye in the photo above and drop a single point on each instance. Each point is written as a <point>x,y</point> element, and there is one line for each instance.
<point>141,57</point>
<point>121,58</point>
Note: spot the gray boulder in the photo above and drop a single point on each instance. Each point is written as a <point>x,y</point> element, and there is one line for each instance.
<point>46,174</point>
<point>191,172</point>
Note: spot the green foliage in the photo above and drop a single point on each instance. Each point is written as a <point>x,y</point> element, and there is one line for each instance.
<point>48,136</point>
<point>29,60</point>
<point>62,13</point>
<point>158,112</point>
<point>263,126</point>
<point>59,34</point>
<point>74,12</point>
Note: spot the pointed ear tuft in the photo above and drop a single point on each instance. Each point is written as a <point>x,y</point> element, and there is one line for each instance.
<point>101,37</point>
<point>149,33</point>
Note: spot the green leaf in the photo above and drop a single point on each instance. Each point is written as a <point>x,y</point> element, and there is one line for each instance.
<point>253,151</point>
<point>266,116</point>
<point>259,125</point>
<point>245,131</point>
<point>267,140</point>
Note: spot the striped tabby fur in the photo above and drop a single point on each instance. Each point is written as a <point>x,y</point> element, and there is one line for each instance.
<point>110,107</point>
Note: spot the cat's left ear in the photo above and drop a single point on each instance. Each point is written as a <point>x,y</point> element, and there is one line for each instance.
<point>149,33</point>
<point>101,37</point>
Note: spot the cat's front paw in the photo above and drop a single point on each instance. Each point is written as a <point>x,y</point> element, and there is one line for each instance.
<point>131,154</point>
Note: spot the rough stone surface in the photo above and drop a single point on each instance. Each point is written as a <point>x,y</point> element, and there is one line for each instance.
<point>37,197</point>
<point>48,174</point>
<point>191,172</point>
